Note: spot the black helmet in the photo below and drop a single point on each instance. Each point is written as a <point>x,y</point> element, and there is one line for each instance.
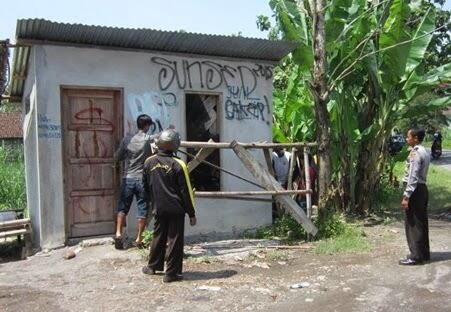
<point>169,140</point>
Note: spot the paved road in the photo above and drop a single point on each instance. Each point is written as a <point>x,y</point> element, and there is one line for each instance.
<point>445,160</point>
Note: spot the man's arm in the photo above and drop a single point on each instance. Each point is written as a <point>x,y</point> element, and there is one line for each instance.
<point>121,152</point>
<point>414,170</point>
<point>412,181</point>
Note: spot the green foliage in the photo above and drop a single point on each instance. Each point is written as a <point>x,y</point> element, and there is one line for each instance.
<point>376,74</point>
<point>330,224</point>
<point>7,107</point>
<point>438,186</point>
<point>147,238</point>
<point>351,240</point>
<point>12,179</point>
<point>284,227</point>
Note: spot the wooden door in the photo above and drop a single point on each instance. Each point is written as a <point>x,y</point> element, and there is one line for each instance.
<point>92,129</point>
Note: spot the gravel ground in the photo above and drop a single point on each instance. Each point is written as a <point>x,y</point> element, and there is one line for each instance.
<point>237,275</point>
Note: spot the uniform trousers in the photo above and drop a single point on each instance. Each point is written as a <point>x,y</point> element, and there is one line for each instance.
<point>168,240</point>
<point>416,224</point>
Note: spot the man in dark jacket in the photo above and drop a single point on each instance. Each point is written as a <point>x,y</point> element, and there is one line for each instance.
<point>167,182</point>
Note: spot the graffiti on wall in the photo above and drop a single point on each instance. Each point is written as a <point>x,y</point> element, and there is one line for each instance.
<point>208,75</point>
<point>154,104</point>
<point>239,105</point>
<point>48,129</point>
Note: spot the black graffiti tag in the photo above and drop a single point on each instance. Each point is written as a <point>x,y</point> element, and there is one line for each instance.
<point>241,110</point>
<point>210,75</point>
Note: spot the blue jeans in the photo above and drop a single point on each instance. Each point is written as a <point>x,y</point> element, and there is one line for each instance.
<point>130,187</point>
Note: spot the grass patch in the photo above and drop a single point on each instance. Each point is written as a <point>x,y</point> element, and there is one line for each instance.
<point>277,255</point>
<point>350,241</point>
<point>439,187</point>
<point>12,178</point>
<point>284,228</point>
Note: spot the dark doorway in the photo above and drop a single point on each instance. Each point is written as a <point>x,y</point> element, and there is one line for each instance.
<point>202,125</point>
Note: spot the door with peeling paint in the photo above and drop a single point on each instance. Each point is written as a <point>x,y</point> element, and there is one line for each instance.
<point>92,128</point>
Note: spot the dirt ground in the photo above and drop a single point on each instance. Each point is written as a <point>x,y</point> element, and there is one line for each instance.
<point>237,276</point>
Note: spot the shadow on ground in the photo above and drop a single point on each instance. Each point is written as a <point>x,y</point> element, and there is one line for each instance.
<point>198,275</point>
<point>440,256</point>
<point>11,251</point>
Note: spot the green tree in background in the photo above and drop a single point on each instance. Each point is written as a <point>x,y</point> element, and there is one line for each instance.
<point>379,65</point>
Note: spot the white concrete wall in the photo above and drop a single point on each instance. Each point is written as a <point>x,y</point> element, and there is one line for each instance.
<point>150,86</point>
<point>31,149</point>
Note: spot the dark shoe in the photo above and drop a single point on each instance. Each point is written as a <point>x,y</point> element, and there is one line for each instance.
<point>409,261</point>
<point>118,243</point>
<point>137,245</point>
<point>170,279</point>
<point>148,270</point>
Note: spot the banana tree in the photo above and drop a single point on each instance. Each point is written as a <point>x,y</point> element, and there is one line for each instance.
<point>374,70</point>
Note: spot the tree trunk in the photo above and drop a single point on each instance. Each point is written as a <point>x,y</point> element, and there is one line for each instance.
<point>369,171</point>
<point>321,97</point>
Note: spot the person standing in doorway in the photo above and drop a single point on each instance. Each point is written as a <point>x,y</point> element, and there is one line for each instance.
<point>168,185</point>
<point>134,150</point>
<point>415,199</point>
<point>281,165</point>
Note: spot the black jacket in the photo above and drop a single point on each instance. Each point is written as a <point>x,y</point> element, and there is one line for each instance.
<point>166,181</point>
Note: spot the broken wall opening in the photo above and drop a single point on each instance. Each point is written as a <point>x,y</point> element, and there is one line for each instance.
<point>202,125</point>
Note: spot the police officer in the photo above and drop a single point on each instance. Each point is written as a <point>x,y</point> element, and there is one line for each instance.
<point>167,182</point>
<point>415,199</point>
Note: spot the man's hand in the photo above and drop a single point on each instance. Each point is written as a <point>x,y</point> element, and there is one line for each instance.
<point>192,221</point>
<point>405,203</point>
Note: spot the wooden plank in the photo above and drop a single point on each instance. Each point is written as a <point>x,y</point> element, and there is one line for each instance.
<point>201,155</point>
<point>194,144</point>
<point>270,183</point>
<point>268,159</point>
<point>13,233</point>
<point>290,172</point>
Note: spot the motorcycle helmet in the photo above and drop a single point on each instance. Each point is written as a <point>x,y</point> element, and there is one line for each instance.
<point>169,140</point>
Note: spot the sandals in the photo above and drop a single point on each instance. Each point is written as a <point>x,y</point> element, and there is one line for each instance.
<point>118,243</point>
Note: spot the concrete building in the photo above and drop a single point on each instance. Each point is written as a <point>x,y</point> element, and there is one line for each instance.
<point>82,88</point>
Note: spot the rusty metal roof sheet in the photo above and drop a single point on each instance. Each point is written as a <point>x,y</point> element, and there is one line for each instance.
<point>40,31</point>
<point>10,125</point>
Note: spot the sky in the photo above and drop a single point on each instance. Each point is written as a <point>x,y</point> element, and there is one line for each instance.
<point>223,17</point>
<point>204,16</point>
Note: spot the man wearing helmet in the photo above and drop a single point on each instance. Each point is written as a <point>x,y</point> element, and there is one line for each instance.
<point>168,186</point>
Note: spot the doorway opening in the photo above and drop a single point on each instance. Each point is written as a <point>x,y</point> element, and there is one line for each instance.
<point>202,124</point>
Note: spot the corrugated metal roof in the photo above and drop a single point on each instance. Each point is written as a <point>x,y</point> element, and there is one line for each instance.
<point>150,39</point>
<point>10,125</point>
<point>40,30</point>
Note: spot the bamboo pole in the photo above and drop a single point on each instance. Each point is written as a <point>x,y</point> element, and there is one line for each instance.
<point>268,159</point>
<point>290,172</point>
<point>307,183</point>
<point>201,155</point>
<point>250,193</point>
<point>195,144</point>
<point>233,197</point>
<point>13,233</point>
<point>14,223</point>
<point>270,183</point>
